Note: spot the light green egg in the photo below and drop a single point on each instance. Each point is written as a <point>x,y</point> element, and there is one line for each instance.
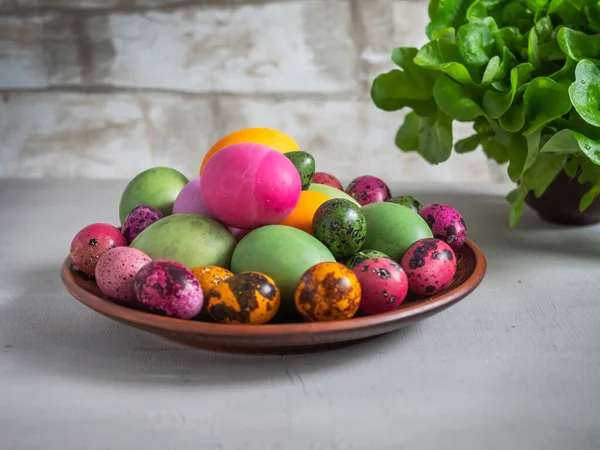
<point>392,228</point>
<point>190,239</point>
<point>157,187</point>
<point>331,192</point>
<point>281,252</point>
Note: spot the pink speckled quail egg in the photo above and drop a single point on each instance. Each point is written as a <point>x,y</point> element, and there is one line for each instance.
<point>430,265</point>
<point>116,270</point>
<point>383,283</point>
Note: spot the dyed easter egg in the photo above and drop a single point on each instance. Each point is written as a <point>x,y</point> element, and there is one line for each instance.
<point>190,239</point>
<point>189,200</point>
<point>280,252</point>
<point>368,189</point>
<point>305,165</point>
<point>248,297</point>
<point>157,187</point>
<point>210,276</point>
<point>446,224</point>
<point>327,179</point>
<point>302,215</point>
<point>249,185</point>
<point>430,265</point>
<point>140,218</point>
<point>265,136</point>
<point>392,228</point>
<point>383,284</point>
<point>116,270</point>
<point>168,288</point>
<point>408,201</point>
<point>327,291</point>
<point>341,226</point>
<point>363,255</point>
<point>331,192</point>
<point>91,242</point>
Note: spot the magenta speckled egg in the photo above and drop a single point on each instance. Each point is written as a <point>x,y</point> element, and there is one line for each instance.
<point>116,270</point>
<point>327,179</point>
<point>430,265</point>
<point>189,200</point>
<point>383,284</point>
<point>91,243</point>
<point>446,224</point>
<point>168,288</point>
<point>140,218</point>
<point>249,185</point>
<point>368,189</point>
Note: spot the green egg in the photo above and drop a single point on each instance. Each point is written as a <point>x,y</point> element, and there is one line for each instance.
<point>190,239</point>
<point>305,165</point>
<point>157,187</point>
<point>331,192</point>
<point>281,252</point>
<point>341,226</point>
<point>408,201</point>
<point>363,255</point>
<point>393,228</point>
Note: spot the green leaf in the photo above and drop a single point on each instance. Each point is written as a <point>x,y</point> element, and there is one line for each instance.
<point>496,103</point>
<point>571,167</point>
<point>545,100</point>
<point>455,100</point>
<point>474,41</point>
<point>400,85</point>
<point>435,138</point>
<point>578,45</point>
<point>589,197</point>
<point>592,13</point>
<point>569,141</point>
<point>495,150</point>
<point>566,73</point>
<point>517,154</point>
<point>533,53</point>
<point>443,55</point>
<point>585,92</point>
<point>516,198</point>
<point>533,147</point>
<point>536,5</point>
<point>539,176</point>
<point>516,15</point>
<point>444,33</point>
<point>512,38</point>
<point>476,11</point>
<point>407,137</point>
<point>432,8</point>
<point>544,28</point>
<point>471,143</point>
<point>491,71</point>
<point>446,14</point>
<point>568,13</point>
<point>513,119</point>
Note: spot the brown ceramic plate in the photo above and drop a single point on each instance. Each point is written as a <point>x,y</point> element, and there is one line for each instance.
<point>282,337</point>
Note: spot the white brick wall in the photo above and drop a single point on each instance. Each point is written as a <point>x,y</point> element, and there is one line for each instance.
<point>105,89</point>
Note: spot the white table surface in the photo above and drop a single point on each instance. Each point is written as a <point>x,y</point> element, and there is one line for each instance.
<point>514,366</point>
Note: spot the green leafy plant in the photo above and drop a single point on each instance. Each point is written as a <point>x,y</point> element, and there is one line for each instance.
<point>524,72</point>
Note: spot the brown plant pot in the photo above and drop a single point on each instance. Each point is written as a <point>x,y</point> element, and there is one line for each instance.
<point>560,203</point>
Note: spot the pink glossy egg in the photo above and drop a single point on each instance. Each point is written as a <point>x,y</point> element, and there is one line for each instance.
<point>168,288</point>
<point>446,224</point>
<point>189,200</point>
<point>327,179</point>
<point>91,243</point>
<point>368,189</point>
<point>249,185</point>
<point>116,270</point>
<point>383,284</point>
<point>430,265</point>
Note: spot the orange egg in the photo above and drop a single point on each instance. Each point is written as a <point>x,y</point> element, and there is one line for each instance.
<point>265,136</point>
<point>302,215</point>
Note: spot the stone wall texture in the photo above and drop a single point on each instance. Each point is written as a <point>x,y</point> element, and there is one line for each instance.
<point>107,88</point>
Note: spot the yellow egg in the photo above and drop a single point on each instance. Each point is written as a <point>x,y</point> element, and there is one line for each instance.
<point>209,277</point>
<point>328,291</point>
<point>247,297</point>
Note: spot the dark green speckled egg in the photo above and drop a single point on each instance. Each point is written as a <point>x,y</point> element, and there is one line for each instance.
<point>363,255</point>
<point>408,201</point>
<point>341,225</point>
<point>305,165</point>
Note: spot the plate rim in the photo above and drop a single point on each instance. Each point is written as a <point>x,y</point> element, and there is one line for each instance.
<point>174,325</point>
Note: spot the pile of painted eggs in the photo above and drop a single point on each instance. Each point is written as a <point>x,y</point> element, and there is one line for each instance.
<point>259,235</point>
